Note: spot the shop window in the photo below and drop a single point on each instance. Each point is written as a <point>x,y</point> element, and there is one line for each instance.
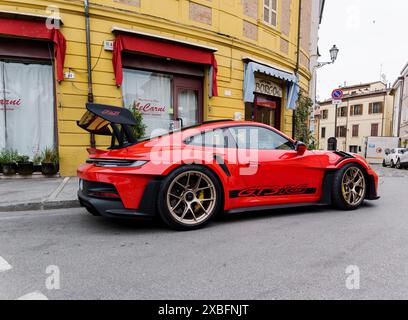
<point>271,12</point>
<point>323,132</point>
<point>26,106</point>
<point>165,101</point>
<point>354,149</point>
<point>356,110</point>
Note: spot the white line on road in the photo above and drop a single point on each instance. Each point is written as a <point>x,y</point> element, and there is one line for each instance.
<point>36,295</point>
<point>4,265</point>
<point>57,191</point>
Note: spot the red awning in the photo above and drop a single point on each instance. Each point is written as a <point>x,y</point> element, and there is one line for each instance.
<point>135,43</point>
<point>37,30</point>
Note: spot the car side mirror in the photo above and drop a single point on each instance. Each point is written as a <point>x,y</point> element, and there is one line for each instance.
<point>301,148</point>
<point>387,152</point>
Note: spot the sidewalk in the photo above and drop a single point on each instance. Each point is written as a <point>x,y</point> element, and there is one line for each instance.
<point>38,194</point>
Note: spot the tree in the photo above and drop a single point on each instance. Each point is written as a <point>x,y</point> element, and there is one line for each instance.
<point>303,111</point>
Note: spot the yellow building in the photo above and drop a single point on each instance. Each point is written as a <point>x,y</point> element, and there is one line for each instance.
<point>166,65</point>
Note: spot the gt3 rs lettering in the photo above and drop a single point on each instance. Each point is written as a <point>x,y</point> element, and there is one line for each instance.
<point>273,191</point>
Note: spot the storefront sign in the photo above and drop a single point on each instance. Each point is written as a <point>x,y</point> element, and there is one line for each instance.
<point>268,87</point>
<point>149,107</point>
<point>9,100</point>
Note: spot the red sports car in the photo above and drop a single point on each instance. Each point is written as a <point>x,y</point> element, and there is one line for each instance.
<point>190,175</point>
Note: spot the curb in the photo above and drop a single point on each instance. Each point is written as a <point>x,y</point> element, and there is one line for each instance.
<point>45,205</point>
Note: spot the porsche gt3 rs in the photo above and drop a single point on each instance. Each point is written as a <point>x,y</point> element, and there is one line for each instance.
<point>189,176</point>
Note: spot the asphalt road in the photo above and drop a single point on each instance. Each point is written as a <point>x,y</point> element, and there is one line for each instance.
<point>284,254</point>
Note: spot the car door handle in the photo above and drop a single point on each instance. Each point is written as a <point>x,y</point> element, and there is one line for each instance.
<point>252,164</point>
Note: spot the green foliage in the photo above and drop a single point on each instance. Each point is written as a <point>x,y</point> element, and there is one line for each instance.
<point>8,156</point>
<point>50,155</point>
<point>303,111</point>
<point>139,129</point>
<point>22,159</point>
<point>37,159</point>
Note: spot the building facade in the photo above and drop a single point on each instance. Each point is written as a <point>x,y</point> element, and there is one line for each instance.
<point>365,111</point>
<point>400,110</point>
<point>175,61</point>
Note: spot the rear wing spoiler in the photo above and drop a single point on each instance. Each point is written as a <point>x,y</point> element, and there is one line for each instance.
<point>108,120</point>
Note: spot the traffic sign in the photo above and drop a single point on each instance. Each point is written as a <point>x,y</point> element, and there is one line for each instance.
<point>337,102</point>
<point>337,94</point>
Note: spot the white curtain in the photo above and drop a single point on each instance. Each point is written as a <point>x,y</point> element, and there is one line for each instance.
<point>188,107</point>
<point>151,94</point>
<point>27,110</point>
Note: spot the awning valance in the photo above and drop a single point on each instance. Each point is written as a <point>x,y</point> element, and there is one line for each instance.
<point>292,82</point>
<point>37,30</point>
<point>161,48</point>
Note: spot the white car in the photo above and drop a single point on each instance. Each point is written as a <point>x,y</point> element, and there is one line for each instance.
<point>393,157</point>
<point>402,161</point>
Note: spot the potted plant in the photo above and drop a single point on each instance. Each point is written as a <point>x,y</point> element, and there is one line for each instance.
<point>9,165</point>
<point>37,162</point>
<point>24,166</point>
<point>139,129</point>
<point>49,164</point>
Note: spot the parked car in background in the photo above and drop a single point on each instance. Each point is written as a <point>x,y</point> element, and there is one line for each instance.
<point>402,161</point>
<point>393,157</point>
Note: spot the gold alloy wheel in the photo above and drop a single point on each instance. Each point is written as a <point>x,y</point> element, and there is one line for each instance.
<point>191,197</point>
<point>353,186</point>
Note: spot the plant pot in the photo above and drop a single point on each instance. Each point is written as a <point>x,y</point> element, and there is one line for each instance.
<point>9,169</point>
<point>49,169</point>
<point>37,168</point>
<point>25,168</point>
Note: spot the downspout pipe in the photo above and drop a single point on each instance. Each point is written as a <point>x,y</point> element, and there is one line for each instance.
<point>297,62</point>
<point>89,63</point>
<point>400,105</point>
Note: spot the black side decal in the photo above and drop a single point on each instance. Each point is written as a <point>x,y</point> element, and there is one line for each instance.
<point>223,166</point>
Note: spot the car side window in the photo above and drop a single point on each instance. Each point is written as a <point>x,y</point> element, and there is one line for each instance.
<point>219,138</point>
<point>252,137</point>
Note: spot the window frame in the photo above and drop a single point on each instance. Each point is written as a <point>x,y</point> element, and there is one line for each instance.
<point>292,143</point>
<point>352,110</point>
<point>323,132</point>
<point>271,10</point>
<point>380,104</point>
<point>353,130</point>
<point>375,125</point>
<point>340,130</point>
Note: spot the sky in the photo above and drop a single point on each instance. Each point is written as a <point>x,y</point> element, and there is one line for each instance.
<point>371,36</point>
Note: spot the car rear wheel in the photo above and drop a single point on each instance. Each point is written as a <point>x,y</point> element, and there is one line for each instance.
<point>189,198</point>
<point>349,188</point>
<point>384,164</point>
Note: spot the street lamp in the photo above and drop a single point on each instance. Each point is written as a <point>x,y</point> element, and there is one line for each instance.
<point>334,51</point>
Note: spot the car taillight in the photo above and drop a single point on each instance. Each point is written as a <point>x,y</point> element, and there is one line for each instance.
<point>116,163</point>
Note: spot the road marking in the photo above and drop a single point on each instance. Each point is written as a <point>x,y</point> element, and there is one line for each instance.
<point>36,295</point>
<point>4,265</point>
<point>57,191</point>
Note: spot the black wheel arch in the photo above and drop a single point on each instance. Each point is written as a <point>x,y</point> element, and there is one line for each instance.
<point>328,182</point>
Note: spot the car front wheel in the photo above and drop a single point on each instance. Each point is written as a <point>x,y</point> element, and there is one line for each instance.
<point>398,165</point>
<point>189,198</point>
<point>349,188</point>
